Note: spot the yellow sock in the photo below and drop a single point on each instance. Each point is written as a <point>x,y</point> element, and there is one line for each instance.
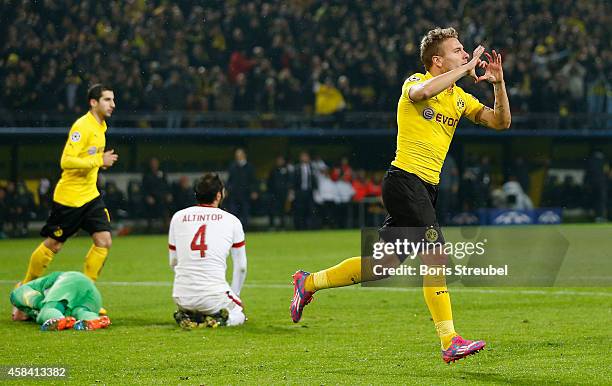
<point>346,273</point>
<point>439,304</point>
<point>94,261</point>
<point>40,259</point>
<point>446,331</point>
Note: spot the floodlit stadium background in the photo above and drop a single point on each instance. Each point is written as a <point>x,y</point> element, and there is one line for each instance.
<point>194,81</point>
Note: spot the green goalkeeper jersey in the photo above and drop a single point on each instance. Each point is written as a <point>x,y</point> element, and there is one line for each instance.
<point>73,289</point>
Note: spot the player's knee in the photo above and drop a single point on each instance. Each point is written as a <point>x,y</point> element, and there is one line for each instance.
<point>53,244</point>
<point>435,259</point>
<point>105,243</point>
<point>103,240</point>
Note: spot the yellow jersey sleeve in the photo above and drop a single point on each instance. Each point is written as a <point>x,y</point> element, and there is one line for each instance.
<point>73,156</point>
<point>411,81</point>
<point>472,106</point>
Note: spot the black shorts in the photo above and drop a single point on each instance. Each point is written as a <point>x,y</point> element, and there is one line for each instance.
<point>64,221</point>
<point>410,203</point>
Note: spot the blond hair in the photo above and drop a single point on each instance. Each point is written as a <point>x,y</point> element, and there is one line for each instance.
<point>431,42</point>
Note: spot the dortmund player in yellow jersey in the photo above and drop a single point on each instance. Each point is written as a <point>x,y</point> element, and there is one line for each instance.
<point>428,111</point>
<point>76,201</point>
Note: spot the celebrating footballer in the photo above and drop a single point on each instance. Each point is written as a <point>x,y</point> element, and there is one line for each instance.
<point>428,111</point>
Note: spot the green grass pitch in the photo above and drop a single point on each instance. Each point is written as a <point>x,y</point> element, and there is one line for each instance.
<point>347,336</point>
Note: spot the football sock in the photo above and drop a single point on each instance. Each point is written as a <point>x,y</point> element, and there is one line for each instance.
<point>346,273</point>
<point>51,310</point>
<point>82,313</point>
<point>40,259</point>
<point>94,261</point>
<point>439,304</point>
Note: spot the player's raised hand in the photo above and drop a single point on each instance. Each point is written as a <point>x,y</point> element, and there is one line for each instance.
<point>109,158</point>
<point>494,72</point>
<point>475,61</point>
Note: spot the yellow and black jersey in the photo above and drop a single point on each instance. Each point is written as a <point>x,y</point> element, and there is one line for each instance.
<point>81,160</point>
<point>426,128</point>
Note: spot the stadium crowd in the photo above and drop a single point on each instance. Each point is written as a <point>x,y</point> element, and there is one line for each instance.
<point>310,56</point>
<point>312,194</point>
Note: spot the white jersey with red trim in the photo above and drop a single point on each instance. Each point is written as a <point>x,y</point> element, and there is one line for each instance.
<point>200,239</point>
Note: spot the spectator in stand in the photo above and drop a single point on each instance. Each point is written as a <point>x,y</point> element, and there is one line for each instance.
<point>289,92</point>
<point>243,98</point>
<point>345,194</point>
<point>597,86</point>
<point>469,187</point>
<point>328,100</point>
<point>157,195</point>
<point>360,186</point>
<point>278,184</point>
<point>154,94</point>
<point>325,198</point>
<point>183,193</point>
<point>484,182</point>
<point>448,190</point>
<point>303,186</point>
<point>309,40</point>
<point>318,164</point>
<point>521,170</point>
<point>515,197</point>
<point>551,192</point>
<point>221,91</point>
<point>239,63</point>
<point>375,185</point>
<point>343,171</point>
<point>241,187</point>
<point>349,94</point>
<point>376,211</point>
<point>114,200</point>
<point>574,74</point>
<point>174,93</point>
<point>21,207</point>
<point>45,198</point>
<point>136,200</point>
<point>571,196</point>
<point>475,183</point>
<point>268,99</point>
<point>596,184</point>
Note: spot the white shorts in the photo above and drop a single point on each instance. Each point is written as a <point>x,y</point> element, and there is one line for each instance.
<point>213,303</point>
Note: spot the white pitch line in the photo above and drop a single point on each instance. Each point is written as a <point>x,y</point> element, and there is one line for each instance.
<point>382,289</point>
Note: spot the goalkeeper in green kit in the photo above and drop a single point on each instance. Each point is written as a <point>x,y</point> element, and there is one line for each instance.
<point>59,301</point>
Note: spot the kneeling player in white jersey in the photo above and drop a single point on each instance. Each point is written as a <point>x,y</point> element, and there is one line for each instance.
<point>199,241</point>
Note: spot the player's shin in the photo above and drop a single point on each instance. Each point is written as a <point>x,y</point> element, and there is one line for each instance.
<point>438,301</point>
<point>51,310</point>
<point>40,259</point>
<point>94,261</point>
<point>348,272</point>
<point>82,313</point>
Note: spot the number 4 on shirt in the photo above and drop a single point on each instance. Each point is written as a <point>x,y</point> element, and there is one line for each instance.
<point>199,241</point>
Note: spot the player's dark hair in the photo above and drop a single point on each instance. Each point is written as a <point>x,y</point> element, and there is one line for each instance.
<point>95,91</point>
<point>430,44</point>
<point>207,187</point>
